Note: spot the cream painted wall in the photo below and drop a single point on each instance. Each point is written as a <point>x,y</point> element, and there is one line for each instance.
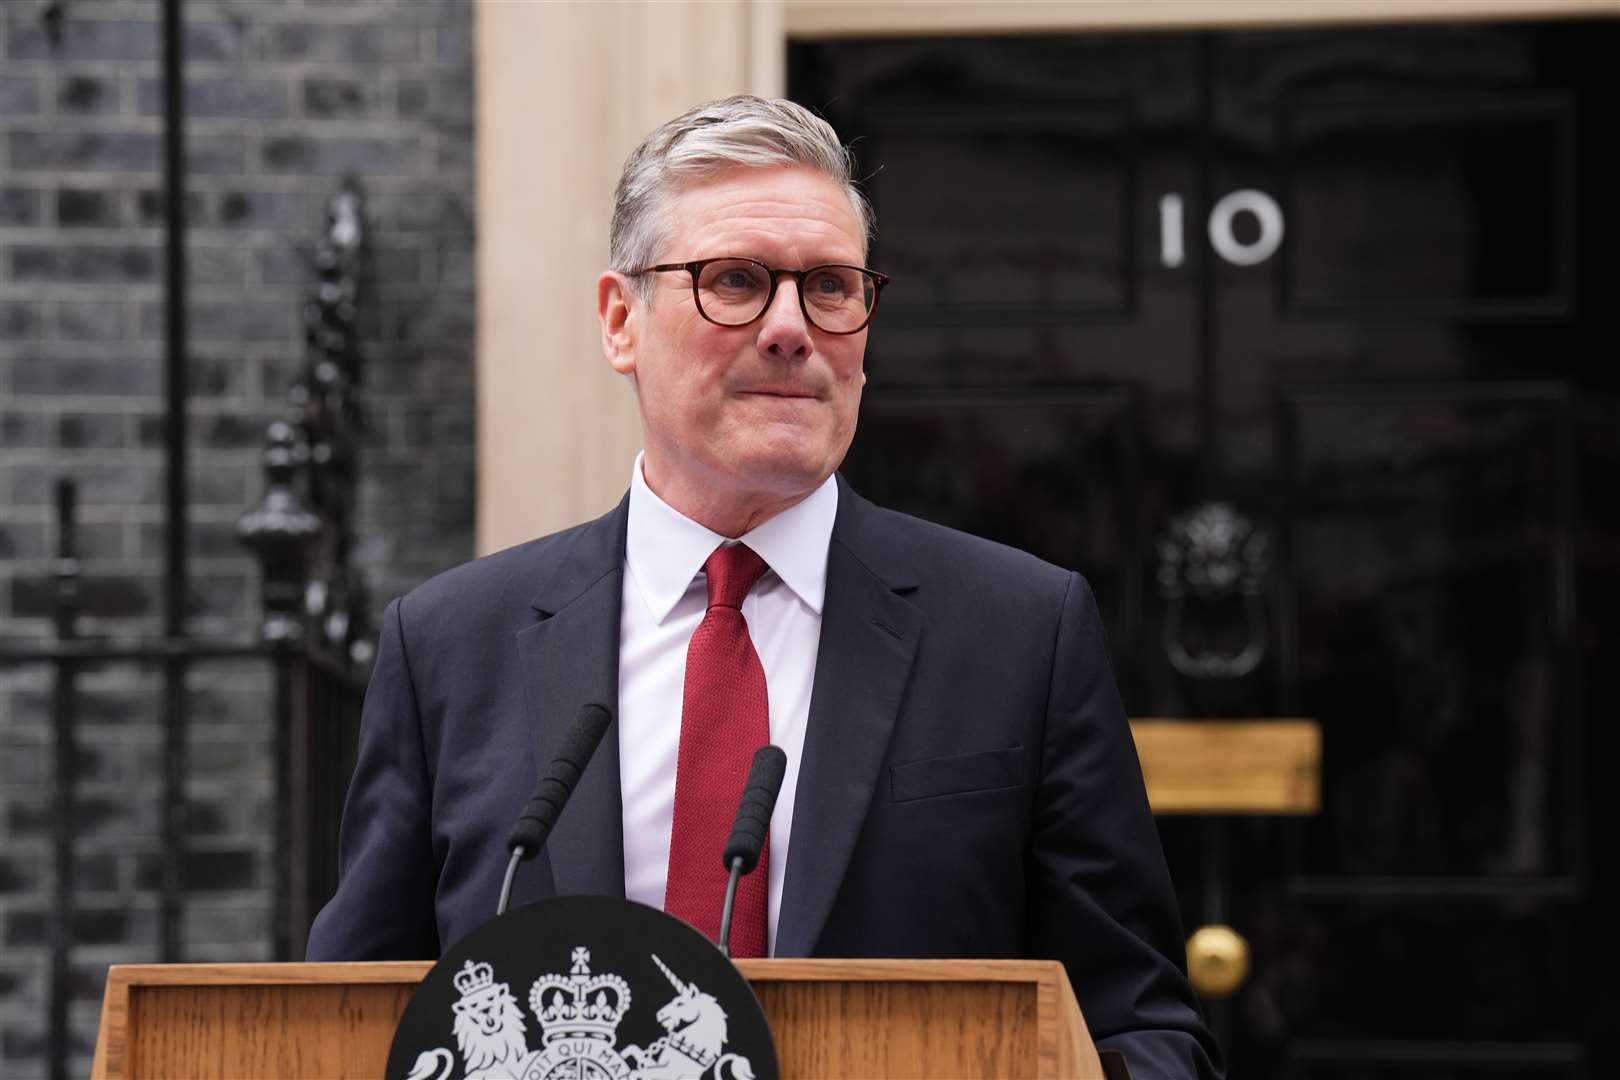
<point>564,92</point>
<point>565,88</point>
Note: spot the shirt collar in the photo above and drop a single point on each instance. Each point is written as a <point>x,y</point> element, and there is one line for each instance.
<point>665,549</point>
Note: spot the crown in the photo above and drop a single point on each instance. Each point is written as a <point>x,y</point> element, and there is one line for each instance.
<point>474,977</point>
<point>579,1004</point>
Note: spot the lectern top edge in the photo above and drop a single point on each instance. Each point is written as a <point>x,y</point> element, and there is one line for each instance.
<point>832,970</point>
<point>411,971</point>
<point>221,974</point>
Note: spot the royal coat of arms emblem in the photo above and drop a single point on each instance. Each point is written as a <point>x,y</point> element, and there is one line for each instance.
<point>578,1016</point>
<point>583,988</point>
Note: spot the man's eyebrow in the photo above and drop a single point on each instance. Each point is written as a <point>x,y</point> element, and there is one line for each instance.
<point>813,261</point>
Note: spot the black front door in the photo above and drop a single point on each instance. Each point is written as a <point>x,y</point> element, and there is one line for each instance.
<point>1344,301</point>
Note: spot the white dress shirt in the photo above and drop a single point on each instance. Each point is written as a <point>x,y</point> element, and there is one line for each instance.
<point>665,597</point>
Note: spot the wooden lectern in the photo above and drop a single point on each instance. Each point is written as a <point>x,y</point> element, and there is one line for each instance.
<point>831,1018</point>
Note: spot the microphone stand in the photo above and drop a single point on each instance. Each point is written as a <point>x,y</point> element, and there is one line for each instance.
<point>556,784</point>
<point>511,871</point>
<point>751,829</point>
<point>731,899</point>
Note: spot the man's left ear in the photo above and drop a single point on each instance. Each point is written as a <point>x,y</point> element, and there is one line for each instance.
<point>616,311</point>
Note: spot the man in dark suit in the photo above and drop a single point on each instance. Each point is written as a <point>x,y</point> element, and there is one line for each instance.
<point>961,782</point>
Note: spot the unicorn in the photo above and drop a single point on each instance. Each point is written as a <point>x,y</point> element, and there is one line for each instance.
<point>691,1047</point>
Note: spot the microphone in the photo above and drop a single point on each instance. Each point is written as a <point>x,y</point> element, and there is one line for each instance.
<point>753,824</point>
<point>552,790</point>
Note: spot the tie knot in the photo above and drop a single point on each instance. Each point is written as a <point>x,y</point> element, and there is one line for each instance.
<point>732,570</point>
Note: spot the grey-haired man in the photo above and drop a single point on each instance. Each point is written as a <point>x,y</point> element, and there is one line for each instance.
<point>961,778</point>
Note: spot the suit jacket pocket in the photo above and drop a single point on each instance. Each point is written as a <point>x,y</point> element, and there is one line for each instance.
<point>957,774</point>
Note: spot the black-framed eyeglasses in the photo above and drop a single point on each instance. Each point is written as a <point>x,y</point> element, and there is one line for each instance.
<point>729,291</point>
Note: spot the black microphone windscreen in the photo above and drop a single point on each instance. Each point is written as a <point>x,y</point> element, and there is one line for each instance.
<point>579,742</point>
<point>753,822</point>
<point>557,781</point>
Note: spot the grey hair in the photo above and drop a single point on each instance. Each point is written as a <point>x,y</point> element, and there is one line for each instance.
<point>705,140</point>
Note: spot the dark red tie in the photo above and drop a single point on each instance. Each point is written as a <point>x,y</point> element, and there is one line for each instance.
<point>725,717</point>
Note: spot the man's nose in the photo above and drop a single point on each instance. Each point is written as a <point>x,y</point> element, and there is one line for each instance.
<point>783,332</point>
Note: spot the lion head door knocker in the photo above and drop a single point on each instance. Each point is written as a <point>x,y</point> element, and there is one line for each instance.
<point>1217,558</point>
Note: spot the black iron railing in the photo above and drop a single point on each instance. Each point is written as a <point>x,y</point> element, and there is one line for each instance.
<point>313,635</point>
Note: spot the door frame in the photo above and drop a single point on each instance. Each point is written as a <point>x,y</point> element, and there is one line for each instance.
<point>813,19</point>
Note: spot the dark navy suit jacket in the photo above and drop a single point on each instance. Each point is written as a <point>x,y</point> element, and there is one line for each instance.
<point>969,786</point>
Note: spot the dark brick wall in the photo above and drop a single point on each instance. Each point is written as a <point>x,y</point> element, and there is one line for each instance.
<point>284,98</point>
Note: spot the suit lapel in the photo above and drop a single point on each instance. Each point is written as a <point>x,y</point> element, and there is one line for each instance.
<point>869,636</point>
<point>571,659</point>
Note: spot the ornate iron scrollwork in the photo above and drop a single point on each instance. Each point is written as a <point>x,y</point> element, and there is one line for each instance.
<point>280,530</point>
<point>325,432</point>
<point>1218,556</point>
